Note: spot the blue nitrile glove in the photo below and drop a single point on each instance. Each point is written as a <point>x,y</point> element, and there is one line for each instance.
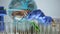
<point>2,11</point>
<point>2,23</point>
<point>40,20</point>
<point>35,14</point>
<point>45,20</point>
<point>2,14</point>
<point>1,8</point>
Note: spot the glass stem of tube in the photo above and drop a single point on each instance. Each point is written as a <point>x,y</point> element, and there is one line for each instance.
<point>59,29</point>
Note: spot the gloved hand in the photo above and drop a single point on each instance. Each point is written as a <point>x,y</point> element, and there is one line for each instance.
<point>35,14</point>
<point>45,20</point>
<point>40,17</point>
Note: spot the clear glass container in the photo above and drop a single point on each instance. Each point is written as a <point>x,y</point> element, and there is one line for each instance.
<point>43,29</point>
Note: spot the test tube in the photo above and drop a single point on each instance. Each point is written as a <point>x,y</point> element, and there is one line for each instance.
<point>59,29</point>
<point>53,27</point>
